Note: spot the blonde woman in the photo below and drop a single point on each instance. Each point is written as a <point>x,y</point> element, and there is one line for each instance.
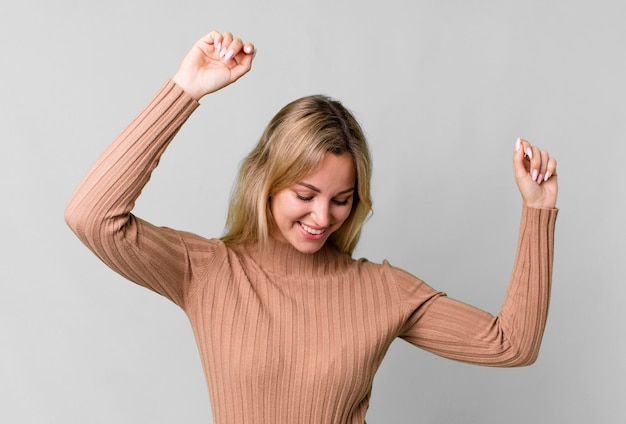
<point>291,328</point>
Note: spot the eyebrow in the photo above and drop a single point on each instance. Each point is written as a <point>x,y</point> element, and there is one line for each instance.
<point>317,190</point>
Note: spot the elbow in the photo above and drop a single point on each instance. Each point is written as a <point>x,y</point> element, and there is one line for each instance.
<point>509,361</point>
<point>523,356</point>
<point>69,218</point>
<point>93,228</point>
<point>520,348</point>
<point>75,219</point>
<point>524,363</point>
<point>84,223</point>
<point>529,359</point>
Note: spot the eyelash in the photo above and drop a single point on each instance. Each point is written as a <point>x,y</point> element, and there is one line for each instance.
<point>336,202</point>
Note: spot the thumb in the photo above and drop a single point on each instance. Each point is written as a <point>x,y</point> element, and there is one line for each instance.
<point>520,165</point>
<point>244,61</point>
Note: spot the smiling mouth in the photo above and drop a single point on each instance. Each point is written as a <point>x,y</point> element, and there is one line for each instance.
<point>312,231</point>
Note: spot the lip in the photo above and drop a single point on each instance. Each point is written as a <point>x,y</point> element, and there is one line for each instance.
<point>310,236</point>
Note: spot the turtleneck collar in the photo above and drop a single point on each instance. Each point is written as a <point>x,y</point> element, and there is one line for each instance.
<point>283,259</point>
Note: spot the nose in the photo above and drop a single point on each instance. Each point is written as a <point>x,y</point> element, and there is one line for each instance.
<point>321,213</point>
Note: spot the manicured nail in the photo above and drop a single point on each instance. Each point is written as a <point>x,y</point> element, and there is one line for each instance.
<point>548,175</point>
<point>218,46</point>
<point>539,179</point>
<point>223,52</point>
<point>229,55</point>
<point>529,153</point>
<point>518,145</point>
<point>535,174</point>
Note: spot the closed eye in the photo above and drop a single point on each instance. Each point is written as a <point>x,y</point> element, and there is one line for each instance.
<point>341,202</point>
<point>335,201</point>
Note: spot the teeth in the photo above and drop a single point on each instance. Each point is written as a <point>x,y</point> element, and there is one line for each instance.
<point>311,230</point>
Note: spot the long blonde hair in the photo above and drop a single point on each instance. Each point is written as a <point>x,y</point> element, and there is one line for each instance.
<point>291,148</point>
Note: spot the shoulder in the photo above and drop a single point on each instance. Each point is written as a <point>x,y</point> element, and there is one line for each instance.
<point>199,253</point>
<point>410,289</point>
<point>382,269</point>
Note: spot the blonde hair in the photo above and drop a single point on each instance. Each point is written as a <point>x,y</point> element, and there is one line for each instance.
<point>291,148</point>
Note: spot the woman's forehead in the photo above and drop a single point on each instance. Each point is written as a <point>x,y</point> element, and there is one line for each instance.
<point>334,173</point>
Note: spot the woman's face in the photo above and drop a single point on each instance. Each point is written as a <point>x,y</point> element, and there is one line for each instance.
<point>308,212</point>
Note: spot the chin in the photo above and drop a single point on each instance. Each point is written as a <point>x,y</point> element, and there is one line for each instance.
<point>308,248</point>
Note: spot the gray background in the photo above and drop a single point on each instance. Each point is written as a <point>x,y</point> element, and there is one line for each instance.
<point>442,88</point>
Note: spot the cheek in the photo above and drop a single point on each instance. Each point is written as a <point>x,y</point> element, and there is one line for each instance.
<point>286,209</point>
<point>342,214</point>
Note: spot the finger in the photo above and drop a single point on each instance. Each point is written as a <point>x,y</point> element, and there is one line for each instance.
<point>543,168</point>
<point>232,49</point>
<point>521,161</point>
<point>227,38</point>
<point>246,54</point>
<point>210,36</point>
<point>213,37</point>
<point>244,62</point>
<point>245,57</point>
<point>550,169</point>
<point>248,48</point>
<point>535,162</point>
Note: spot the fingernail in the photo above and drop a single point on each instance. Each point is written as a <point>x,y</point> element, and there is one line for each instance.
<point>218,46</point>
<point>529,152</point>
<point>518,145</point>
<point>539,179</point>
<point>229,55</point>
<point>535,174</point>
<point>548,175</point>
<point>223,52</point>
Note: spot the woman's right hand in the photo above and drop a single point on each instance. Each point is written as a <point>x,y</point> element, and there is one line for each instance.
<point>215,61</point>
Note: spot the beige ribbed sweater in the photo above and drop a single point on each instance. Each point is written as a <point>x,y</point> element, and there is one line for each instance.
<point>288,337</point>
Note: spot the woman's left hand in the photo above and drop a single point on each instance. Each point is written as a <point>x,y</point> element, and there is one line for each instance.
<point>215,61</point>
<point>535,174</point>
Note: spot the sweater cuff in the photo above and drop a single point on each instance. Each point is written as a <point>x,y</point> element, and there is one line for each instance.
<point>540,214</point>
<point>178,91</point>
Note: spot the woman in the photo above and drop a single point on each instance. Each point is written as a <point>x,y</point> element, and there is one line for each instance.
<point>290,328</point>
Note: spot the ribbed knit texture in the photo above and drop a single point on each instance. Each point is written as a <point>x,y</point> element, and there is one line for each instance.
<point>286,337</point>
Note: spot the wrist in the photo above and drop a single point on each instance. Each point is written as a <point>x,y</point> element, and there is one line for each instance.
<point>540,205</point>
<point>186,85</point>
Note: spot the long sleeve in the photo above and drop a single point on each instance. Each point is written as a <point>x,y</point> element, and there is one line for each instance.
<point>455,330</point>
<point>99,212</point>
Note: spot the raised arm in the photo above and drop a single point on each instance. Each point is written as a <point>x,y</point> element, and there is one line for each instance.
<point>459,331</point>
<point>99,212</point>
